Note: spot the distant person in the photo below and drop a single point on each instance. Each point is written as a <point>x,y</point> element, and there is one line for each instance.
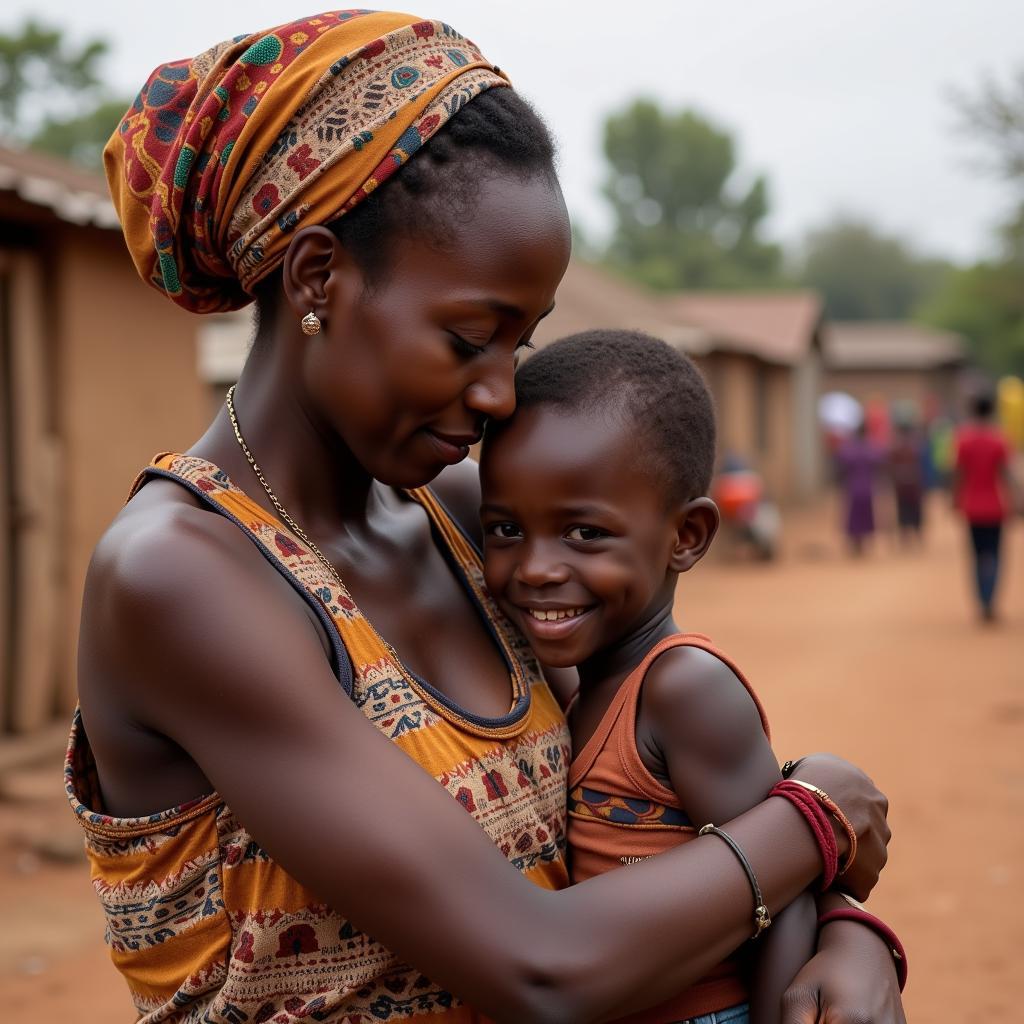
<point>941,451</point>
<point>878,421</point>
<point>981,483</point>
<point>907,473</point>
<point>858,462</point>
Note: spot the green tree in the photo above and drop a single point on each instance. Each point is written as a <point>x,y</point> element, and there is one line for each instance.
<point>867,275</point>
<point>52,96</point>
<point>679,220</point>
<point>985,302</point>
<point>993,116</point>
<point>81,138</point>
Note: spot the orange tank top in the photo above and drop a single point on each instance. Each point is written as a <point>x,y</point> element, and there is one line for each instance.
<point>619,813</point>
<point>204,925</point>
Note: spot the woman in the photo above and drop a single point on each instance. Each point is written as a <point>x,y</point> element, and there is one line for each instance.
<point>858,461</point>
<point>210,671</point>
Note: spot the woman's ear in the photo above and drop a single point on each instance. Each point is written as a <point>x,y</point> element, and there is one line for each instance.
<point>696,526</point>
<point>315,264</point>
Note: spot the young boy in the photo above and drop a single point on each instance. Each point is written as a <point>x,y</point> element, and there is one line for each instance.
<point>594,501</point>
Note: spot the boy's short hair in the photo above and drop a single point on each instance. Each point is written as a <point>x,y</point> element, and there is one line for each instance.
<point>639,377</point>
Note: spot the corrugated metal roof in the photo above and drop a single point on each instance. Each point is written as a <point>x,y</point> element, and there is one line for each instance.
<point>73,194</point>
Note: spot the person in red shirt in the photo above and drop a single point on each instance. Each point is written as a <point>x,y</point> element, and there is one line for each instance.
<point>980,488</point>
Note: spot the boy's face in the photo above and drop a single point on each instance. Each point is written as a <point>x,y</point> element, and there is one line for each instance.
<point>578,536</point>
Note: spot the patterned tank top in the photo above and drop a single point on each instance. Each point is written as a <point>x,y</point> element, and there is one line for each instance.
<point>206,927</point>
<point>619,813</point>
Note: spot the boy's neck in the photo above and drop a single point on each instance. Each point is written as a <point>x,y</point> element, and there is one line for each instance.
<point>614,663</point>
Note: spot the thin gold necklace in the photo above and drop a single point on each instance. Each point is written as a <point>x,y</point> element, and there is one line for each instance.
<point>229,401</point>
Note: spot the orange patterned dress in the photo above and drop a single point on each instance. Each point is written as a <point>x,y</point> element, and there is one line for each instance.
<point>206,927</point>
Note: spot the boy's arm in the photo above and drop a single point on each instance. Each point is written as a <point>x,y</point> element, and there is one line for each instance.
<point>698,720</point>
<point>778,956</point>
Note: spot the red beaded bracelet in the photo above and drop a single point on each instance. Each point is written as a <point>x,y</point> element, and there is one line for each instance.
<point>844,822</point>
<point>817,819</point>
<point>880,928</point>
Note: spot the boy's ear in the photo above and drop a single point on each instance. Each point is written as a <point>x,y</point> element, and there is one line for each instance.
<point>696,526</point>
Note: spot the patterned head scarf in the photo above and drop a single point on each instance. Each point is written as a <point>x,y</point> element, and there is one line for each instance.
<point>222,156</point>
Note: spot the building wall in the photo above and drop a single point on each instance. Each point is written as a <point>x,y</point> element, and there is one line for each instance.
<point>808,442</point>
<point>733,381</point>
<point>777,431</point>
<point>763,411</point>
<point>127,388</point>
<point>31,553</point>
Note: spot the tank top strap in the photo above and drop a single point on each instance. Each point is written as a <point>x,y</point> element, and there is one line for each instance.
<point>615,736</point>
<point>349,634</point>
<point>704,643</point>
<point>455,538</point>
<point>625,700</point>
<point>462,551</point>
<point>629,758</point>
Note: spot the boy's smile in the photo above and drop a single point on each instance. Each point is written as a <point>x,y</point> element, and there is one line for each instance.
<point>578,534</point>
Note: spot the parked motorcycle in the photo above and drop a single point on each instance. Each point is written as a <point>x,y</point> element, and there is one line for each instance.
<point>749,517</point>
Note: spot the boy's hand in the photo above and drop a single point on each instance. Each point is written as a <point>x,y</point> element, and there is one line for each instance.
<point>850,979</point>
<point>865,806</point>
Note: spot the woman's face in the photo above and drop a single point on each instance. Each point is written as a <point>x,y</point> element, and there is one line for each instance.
<point>409,369</point>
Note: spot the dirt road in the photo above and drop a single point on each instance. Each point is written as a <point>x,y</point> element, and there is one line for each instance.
<point>880,660</point>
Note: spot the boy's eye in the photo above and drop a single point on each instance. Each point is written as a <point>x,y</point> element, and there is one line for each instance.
<point>585,533</point>
<point>505,531</point>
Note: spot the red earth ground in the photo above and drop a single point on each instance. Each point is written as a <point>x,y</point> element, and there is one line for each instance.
<point>879,659</point>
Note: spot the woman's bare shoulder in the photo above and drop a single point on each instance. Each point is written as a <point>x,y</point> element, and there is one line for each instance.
<point>165,580</point>
<point>161,524</point>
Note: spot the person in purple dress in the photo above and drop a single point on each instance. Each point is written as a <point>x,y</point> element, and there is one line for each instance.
<point>858,461</point>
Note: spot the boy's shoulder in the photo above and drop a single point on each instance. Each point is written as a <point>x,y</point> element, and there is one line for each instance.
<point>701,731</point>
<point>692,695</point>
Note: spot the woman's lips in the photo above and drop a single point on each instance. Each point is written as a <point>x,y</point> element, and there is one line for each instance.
<point>451,448</point>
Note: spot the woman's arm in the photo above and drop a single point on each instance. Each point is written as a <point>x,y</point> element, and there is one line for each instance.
<point>700,718</point>
<point>193,638</point>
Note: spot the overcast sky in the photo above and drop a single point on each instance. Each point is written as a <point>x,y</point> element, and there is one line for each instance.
<point>844,106</point>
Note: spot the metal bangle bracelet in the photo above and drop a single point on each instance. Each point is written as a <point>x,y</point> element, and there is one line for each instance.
<point>762,919</point>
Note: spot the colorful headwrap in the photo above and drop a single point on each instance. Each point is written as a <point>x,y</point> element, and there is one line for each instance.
<point>222,156</point>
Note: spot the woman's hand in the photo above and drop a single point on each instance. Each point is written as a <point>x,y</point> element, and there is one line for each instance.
<point>851,979</point>
<point>864,805</point>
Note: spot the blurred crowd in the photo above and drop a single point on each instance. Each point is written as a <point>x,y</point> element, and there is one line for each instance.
<point>888,456</point>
